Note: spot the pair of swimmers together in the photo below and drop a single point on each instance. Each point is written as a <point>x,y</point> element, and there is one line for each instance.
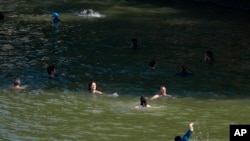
<point>143,99</point>
<point>161,93</point>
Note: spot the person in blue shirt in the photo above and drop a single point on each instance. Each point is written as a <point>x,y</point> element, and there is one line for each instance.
<point>187,135</point>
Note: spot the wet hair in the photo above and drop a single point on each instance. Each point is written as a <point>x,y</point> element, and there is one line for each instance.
<point>17,81</point>
<point>152,63</point>
<point>143,101</point>
<point>177,138</point>
<point>90,84</point>
<point>50,69</point>
<point>134,43</point>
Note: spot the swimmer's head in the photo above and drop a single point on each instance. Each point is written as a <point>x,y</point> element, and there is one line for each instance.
<point>92,86</point>
<point>51,70</point>
<point>134,43</point>
<point>177,138</point>
<point>152,64</point>
<point>55,15</point>
<point>17,81</point>
<point>143,101</point>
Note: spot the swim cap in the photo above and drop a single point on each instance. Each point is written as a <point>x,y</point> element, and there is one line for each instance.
<point>55,15</point>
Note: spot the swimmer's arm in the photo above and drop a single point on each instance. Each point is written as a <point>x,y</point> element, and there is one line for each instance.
<point>189,132</point>
<point>98,92</point>
<point>155,97</point>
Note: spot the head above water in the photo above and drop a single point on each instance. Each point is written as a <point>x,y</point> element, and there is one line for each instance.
<point>177,138</point>
<point>92,86</point>
<point>152,64</point>
<point>55,15</point>
<point>134,43</point>
<point>51,70</point>
<point>163,90</point>
<point>209,57</point>
<point>143,101</point>
<point>17,81</point>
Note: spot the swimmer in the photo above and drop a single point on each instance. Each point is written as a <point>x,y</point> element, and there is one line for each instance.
<point>187,135</point>
<point>152,66</point>
<point>184,72</point>
<point>17,84</point>
<point>161,93</point>
<point>143,103</point>
<point>52,71</point>
<point>134,43</point>
<point>208,57</point>
<point>93,88</point>
<point>55,18</point>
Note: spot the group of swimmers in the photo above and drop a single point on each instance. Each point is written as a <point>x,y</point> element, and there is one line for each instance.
<point>208,58</point>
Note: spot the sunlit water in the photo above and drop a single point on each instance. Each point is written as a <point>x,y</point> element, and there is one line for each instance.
<point>95,48</point>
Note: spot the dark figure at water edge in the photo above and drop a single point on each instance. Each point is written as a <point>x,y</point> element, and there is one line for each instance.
<point>93,88</point>
<point>184,72</point>
<point>208,57</point>
<point>52,71</point>
<point>187,135</point>
<point>1,16</point>
<point>143,104</point>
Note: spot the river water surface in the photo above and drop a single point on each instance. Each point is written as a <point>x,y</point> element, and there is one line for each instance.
<point>88,49</point>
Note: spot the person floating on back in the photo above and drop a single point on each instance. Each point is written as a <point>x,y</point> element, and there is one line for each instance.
<point>187,135</point>
<point>152,66</point>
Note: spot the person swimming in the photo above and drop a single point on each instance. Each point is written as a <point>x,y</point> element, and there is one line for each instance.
<point>184,72</point>
<point>134,43</point>
<point>161,93</point>
<point>143,103</point>
<point>51,70</point>
<point>208,57</point>
<point>55,18</point>
<point>17,83</point>
<point>93,88</point>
